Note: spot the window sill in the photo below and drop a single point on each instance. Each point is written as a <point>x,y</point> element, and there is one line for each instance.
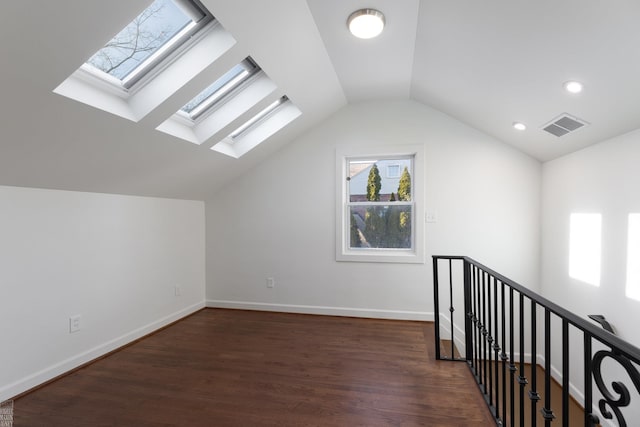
<point>400,257</point>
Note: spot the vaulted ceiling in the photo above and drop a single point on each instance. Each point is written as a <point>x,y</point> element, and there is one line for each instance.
<point>487,64</point>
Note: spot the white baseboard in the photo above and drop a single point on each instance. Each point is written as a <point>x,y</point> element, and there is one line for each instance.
<point>60,368</point>
<point>556,373</point>
<point>327,311</point>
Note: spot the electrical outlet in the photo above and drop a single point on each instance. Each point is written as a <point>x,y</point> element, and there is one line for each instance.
<point>178,290</point>
<point>431,216</point>
<point>74,323</point>
<point>270,282</point>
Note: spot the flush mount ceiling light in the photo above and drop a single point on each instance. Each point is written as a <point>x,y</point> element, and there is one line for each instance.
<point>366,23</point>
<point>519,126</point>
<point>573,86</point>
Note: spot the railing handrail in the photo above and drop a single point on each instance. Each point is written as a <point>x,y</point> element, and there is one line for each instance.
<point>625,348</point>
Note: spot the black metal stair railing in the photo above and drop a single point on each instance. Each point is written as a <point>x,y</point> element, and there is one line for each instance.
<point>502,322</point>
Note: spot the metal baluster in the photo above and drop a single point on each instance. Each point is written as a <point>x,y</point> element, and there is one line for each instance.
<point>565,373</point>
<point>490,339</point>
<point>533,392</point>
<point>496,347</point>
<point>484,331</point>
<point>588,386</point>
<point>522,379</point>
<point>504,357</point>
<point>512,366</point>
<point>478,326</point>
<point>474,279</point>
<point>547,413</point>
<point>468,314</point>
<point>436,307</point>
<point>451,309</point>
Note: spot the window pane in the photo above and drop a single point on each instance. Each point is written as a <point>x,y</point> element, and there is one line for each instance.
<point>380,226</point>
<point>585,247</point>
<point>381,180</point>
<point>393,171</point>
<point>144,36</point>
<point>220,88</point>
<point>234,73</point>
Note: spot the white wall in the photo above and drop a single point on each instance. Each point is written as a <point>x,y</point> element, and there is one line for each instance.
<point>600,179</point>
<point>278,220</point>
<point>115,260</point>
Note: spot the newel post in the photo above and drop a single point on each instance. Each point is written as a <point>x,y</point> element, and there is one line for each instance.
<point>468,324</point>
<point>436,306</point>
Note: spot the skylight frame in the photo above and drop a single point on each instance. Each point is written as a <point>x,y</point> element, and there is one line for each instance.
<point>259,118</point>
<point>225,91</point>
<point>162,57</point>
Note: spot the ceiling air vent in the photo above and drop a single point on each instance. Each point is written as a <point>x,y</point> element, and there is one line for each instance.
<point>564,124</point>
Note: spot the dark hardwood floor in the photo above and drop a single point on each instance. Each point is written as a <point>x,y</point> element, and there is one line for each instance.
<point>243,368</point>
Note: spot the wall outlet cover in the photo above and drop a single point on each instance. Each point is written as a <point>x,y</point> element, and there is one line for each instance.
<point>74,323</point>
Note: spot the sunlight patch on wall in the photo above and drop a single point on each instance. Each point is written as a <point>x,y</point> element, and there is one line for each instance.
<point>633,257</point>
<point>585,240</point>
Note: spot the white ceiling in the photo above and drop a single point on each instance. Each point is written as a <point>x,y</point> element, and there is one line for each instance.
<point>486,63</point>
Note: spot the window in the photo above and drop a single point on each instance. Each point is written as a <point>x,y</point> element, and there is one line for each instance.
<point>258,128</point>
<point>585,247</point>
<point>633,257</point>
<point>147,41</point>
<point>163,48</point>
<point>224,86</point>
<point>393,171</point>
<point>380,214</point>
<point>255,120</point>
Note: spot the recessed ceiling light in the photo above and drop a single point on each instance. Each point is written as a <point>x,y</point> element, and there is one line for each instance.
<point>519,126</point>
<point>366,23</point>
<point>573,86</point>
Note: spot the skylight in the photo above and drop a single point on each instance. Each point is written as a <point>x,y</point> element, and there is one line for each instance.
<point>222,87</point>
<point>166,46</point>
<point>150,38</point>
<point>258,128</point>
<point>262,115</point>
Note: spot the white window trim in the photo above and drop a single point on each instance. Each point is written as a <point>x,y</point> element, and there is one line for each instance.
<point>343,252</point>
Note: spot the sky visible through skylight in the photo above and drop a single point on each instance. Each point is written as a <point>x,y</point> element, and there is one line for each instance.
<point>145,35</point>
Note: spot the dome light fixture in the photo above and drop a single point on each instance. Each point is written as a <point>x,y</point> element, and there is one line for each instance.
<point>519,126</point>
<point>573,86</point>
<point>366,23</point>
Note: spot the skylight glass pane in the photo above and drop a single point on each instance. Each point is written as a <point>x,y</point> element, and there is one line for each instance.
<point>234,73</point>
<point>145,36</point>
<point>221,87</point>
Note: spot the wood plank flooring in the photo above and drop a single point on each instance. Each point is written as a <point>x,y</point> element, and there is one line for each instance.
<point>243,368</point>
<point>576,411</point>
